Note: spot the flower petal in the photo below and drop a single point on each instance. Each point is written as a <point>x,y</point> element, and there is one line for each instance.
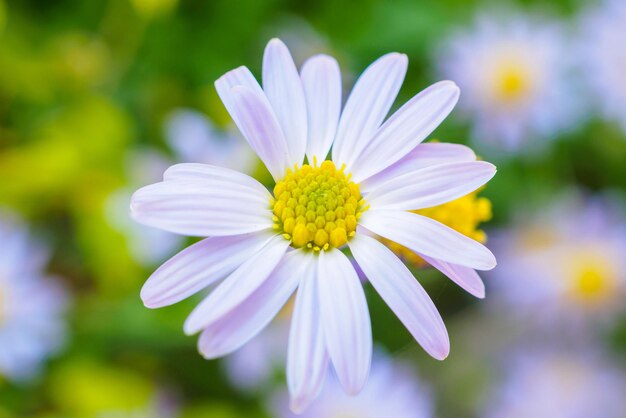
<point>366,108</point>
<point>423,155</point>
<point>307,358</point>
<point>240,76</point>
<point>216,208</point>
<point>199,266</point>
<point>431,186</point>
<point>284,91</point>
<point>237,287</point>
<point>321,79</point>
<point>406,128</point>
<point>467,278</point>
<point>429,237</point>
<point>211,173</point>
<point>345,320</point>
<point>249,317</point>
<point>258,124</point>
<point>403,293</point>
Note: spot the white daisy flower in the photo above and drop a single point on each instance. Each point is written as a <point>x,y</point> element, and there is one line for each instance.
<point>604,58</point>
<point>515,75</point>
<point>392,390</point>
<point>265,246</point>
<point>547,382</point>
<point>32,305</point>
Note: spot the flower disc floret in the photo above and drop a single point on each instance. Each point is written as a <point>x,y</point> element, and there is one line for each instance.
<point>317,207</point>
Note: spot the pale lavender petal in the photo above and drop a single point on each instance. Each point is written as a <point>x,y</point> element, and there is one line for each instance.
<point>429,237</point>
<point>406,128</point>
<point>237,287</point>
<point>248,318</point>
<point>422,156</point>
<point>240,76</point>
<point>284,91</point>
<point>366,108</point>
<point>307,358</point>
<point>199,266</point>
<point>431,186</point>
<point>210,173</point>
<point>467,278</point>
<point>321,79</point>
<point>403,293</point>
<point>345,320</point>
<point>197,208</point>
<point>258,124</point>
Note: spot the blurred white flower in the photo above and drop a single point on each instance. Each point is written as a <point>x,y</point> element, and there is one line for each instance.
<point>32,304</point>
<point>514,71</point>
<point>564,266</point>
<point>603,58</point>
<point>559,383</point>
<point>393,390</point>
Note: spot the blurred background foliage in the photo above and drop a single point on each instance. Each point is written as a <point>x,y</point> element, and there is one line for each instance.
<point>84,83</point>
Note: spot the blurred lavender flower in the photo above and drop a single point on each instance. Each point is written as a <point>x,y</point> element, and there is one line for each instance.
<point>393,390</point>
<point>32,304</point>
<point>564,266</point>
<point>194,139</point>
<point>603,57</point>
<point>253,366</point>
<point>513,70</point>
<point>559,383</point>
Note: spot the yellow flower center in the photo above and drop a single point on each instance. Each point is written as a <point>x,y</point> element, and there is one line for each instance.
<point>593,279</point>
<point>463,215</point>
<point>511,80</point>
<point>513,84</point>
<point>317,207</point>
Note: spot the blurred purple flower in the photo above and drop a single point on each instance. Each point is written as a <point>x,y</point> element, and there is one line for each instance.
<point>559,383</point>
<point>393,390</point>
<point>564,266</point>
<point>32,304</point>
<point>603,57</point>
<point>514,71</point>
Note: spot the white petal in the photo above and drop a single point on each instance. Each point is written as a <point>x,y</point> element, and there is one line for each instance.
<point>424,155</point>
<point>240,76</point>
<point>403,293</point>
<point>429,237</point>
<point>321,79</point>
<point>237,287</point>
<point>431,186</point>
<point>284,91</point>
<point>211,173</point>
<point>345,320</point>
<point>307,358</point>
<point>406,128</point>
<point>199,266</point>
<point>366,108</point>
<point>197,208</point>
<point>255,312</point>
<point>465,277</point>
<point>258,124</point>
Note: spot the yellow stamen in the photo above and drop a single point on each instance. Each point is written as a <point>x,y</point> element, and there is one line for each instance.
<point>317,207</point>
